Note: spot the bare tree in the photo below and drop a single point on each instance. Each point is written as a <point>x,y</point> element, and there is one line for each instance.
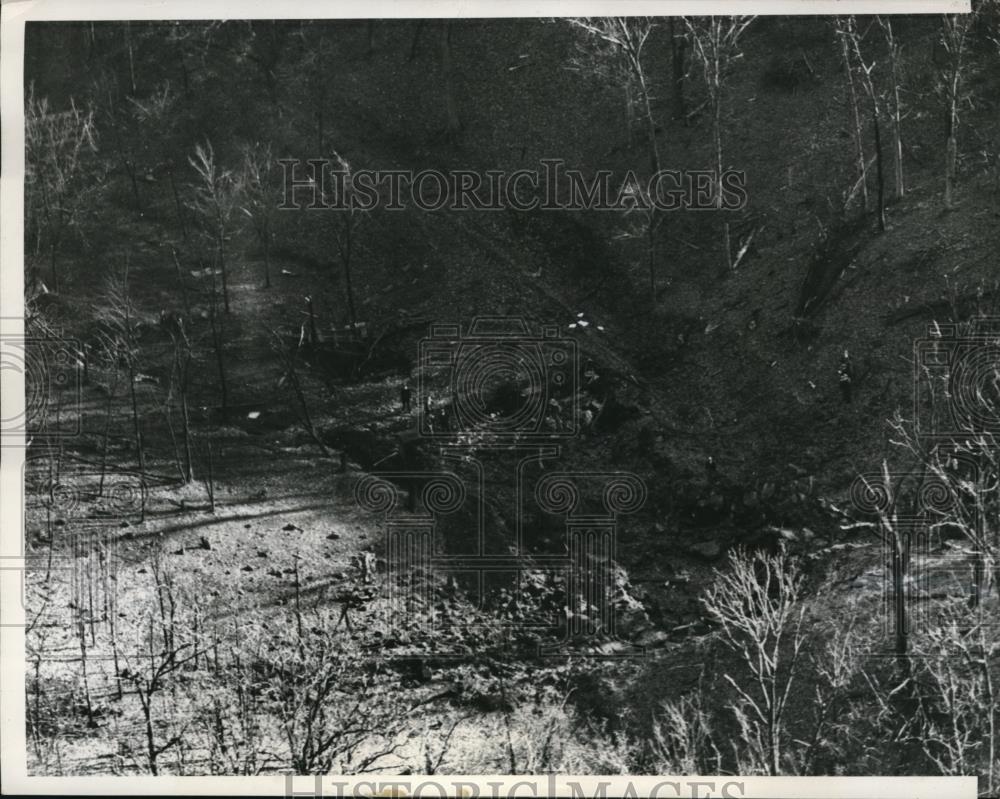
<point>716,45</point>
<point>154,114</point>
<point>148,674</point>
<point>895,54</point>
<point>865,72</point>
<point>683,738</point>
<point>756,602</point>
<point>56,144</point>
<point>118,119</point>
<point>289,358</point>
<point>180,377</point>
<point>888,495</point>
<point>215,201</point>
<point>346,225</point>
<point>961,731</point>
<point>964,469</point>
<point>122,339</point>
<point>328,724</point>
<point>851,41</point>
<point>954,34</point>
<point>217,326</point>
<point>678,68</point>
<point>256,191</point>
<point>613,48</point>
<point>846,29</point>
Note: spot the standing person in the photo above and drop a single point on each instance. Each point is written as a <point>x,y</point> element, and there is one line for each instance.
<point>404,396</point>
<point>845,376</point>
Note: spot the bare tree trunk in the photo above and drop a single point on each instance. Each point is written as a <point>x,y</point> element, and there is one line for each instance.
<point>897,114</point>
<point>345,254</point>
<point>900,566</point>
<point>137,429</point>
<point>138,436</point>
<point>220,360</point>
<point>210,488</point>
<point>182,366</point>
<point>82,635</point>
<point>951,157</point>
<point>113,629</point>
<point>856,117</point>
<point>992,706</point>
<point>52,267</point>
<point>169,419</point>
<point>304,416</point>
<point>222,266</point>
<point>107,433</point>
<point>629,116</point>
<point>177,200</point>
<point>267,255</point>
<point>879,168</point>
<point>773,744</point>
<point>186,421</point>
<point>131,58</point>
<point>954,36</point>
<point>678,46</point>
<point>313,334</point>
<point>651,252</point>
<point>717,126</point>
<point>647,107</point>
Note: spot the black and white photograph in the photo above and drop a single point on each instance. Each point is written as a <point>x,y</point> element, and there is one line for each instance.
<point>447,395</point>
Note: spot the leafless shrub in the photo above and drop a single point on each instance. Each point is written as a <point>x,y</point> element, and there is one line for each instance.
<point>756,602</point>
<point>682,738</point>
<point>961,664</point>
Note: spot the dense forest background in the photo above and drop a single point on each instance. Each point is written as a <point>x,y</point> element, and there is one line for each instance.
<point>227,371</point>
